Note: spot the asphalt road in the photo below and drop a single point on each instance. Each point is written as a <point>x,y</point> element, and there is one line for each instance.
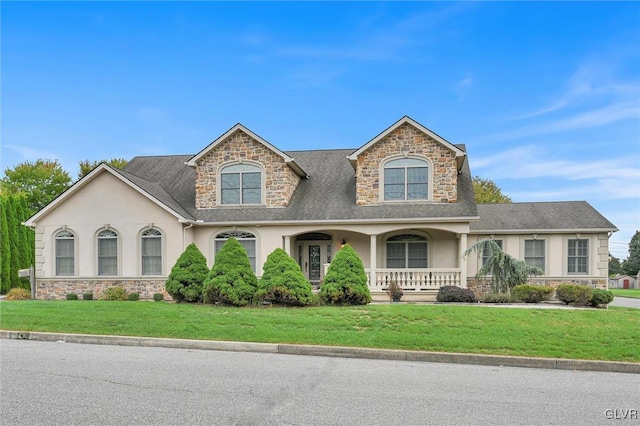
<point>49,383</point>
<point>626,302</point>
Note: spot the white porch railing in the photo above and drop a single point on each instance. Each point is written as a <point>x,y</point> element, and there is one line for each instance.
<point>414,279</point>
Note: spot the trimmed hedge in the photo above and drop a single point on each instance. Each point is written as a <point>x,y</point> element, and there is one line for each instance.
<point>72,296</point>
<point>496,298</point>
<point>601,297</point>
<point>87,296</point>
<point>451,293</point>
<point>158,297</point>
<point>574,294</point>
<point>133,297</point>
<point>531,293</point>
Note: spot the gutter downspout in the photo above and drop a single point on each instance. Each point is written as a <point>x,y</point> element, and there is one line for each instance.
<point>184,235</point>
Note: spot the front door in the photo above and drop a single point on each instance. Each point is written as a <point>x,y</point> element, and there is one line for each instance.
<point>312,257</point>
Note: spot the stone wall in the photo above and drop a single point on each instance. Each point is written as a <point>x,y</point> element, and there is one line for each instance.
<point>280,180</point>
<point>410,140</point>
<point>59,288</point>
<point>482,287</point>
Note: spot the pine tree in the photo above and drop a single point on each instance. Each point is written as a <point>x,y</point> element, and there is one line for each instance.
<point>5,248</point>
<point>283,281</point>
<point>346,281</point>
<point>231,281</point>
<point>187,275</point>
<point>631,265</point>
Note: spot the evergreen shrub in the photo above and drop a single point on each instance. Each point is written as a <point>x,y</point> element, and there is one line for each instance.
<point>114,293</point>
<point>187,276</point>
<point>496,298</point>
<point>231,281</point>
<point>133,297</point>
<point>72,296</point>
<point>283,281</point>
<point>158,297</point>
<point>601,297</point>
<point>451,293</point>
<point>87,296</point>
<point>531,293</point>
<point>574,294</point>
<point>346,281</point>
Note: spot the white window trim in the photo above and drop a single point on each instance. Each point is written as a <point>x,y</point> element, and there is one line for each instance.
<point>546,251</point>
<point>118,248</point>
<point>238,162</point>
<point>400,157</point>
<point>213,239</point>
<point>403,232</point>
<point>162,251</point>
<point>75,252</point>
<point>566,254</point>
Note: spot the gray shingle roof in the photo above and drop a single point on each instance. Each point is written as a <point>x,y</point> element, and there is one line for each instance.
<point>540,216</point>
<point>327,195</point>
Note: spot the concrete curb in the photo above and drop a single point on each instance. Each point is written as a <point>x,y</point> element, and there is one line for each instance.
<point>332,351</point>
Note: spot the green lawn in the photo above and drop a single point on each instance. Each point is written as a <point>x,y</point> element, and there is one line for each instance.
<point>558,333</point>
<point>633,293</point>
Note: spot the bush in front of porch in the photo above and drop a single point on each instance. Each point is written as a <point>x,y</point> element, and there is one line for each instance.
<point>187,275</point>
<point>231,281</point>
<point>283,282</point>
<point>346,281</point>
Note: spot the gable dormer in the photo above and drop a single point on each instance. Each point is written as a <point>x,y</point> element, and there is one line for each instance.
<point>407,163</point>
<point>241,169</point>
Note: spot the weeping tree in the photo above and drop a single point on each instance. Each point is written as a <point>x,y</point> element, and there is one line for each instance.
<point>504,270</point>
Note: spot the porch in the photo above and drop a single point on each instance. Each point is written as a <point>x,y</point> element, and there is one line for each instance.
<point>417,284</point>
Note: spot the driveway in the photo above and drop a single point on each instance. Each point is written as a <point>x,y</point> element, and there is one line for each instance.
<point>625,302</point>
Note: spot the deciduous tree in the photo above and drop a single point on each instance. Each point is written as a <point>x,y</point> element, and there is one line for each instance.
<point>486,191</point>
<point>86,166</point>
<point>631,265</point>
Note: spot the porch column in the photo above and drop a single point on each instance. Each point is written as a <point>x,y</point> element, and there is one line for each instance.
<point>287,244</point>
<point>372,261</point>
<point>462,263</point>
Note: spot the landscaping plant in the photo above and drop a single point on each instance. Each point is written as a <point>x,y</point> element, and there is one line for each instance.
<point>574,294</point>
<point>114,293</point>
<point>283,281</point>
<point>531,293</point>
<point>231,281</point>
<point>451,293</point>
<point>346,281</point>
<point>18,293</point>
<point>187,276</point>
<point>71,296</point>
<point>601,298</point>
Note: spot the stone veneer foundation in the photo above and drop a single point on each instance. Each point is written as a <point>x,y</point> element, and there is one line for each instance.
<point>59,288</point>
<point>482,287</point>
<point>280,181</point>
<point>407,139</point>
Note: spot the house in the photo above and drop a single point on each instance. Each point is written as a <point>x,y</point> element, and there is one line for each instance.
<point>403,200</point>
<point>623,281</point>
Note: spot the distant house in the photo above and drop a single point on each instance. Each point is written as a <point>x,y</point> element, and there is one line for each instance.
<point>623,281</point>
<point>403,200</point>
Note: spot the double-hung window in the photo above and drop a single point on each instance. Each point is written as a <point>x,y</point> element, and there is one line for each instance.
<point>65,253</point>
<point>406,179</point>
<point>407,251</point>
<point>578,256</point>
<point>241,184</point>
<point>246,239</point>
<point>151,246</point>
<point>107,252</point>
<point>534,253</point>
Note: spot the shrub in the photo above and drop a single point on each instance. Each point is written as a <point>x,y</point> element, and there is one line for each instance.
<point>114,293</point>
<point>87,296</point>
<point>395,291</point>
<point>133,297</point>
<point>531,293</point>
<point>231,280</point>
<point>72,296</point>
<point>18,294</point>
<point>283,282</point>
<point>601,297</point>
<point>496,298</point>
<point>574,294</point>
<point>451,293</point>
<point>158,297</point>
<point>346,281</point>
<point>187,276</point>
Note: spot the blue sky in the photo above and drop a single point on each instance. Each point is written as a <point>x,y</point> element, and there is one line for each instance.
<point>546,96</point>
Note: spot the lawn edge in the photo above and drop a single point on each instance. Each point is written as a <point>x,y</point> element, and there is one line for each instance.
<point>332,351</point>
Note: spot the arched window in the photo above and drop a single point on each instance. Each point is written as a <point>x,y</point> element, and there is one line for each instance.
<point>65,253</point>
<point>246,239</point>
<point>407,251</point>
<point>151,247</point>
<point>406,179</point>
<point>107,252</point>
<point>241,184</point>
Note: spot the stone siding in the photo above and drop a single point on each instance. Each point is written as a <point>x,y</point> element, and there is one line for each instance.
<point>280,180</point>
<point>59,288</point>
<point>481,287</point>
<point>410,140</point>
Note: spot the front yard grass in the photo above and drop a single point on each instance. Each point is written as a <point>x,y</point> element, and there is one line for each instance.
<point>612,335</point>
<point>621,292</point>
